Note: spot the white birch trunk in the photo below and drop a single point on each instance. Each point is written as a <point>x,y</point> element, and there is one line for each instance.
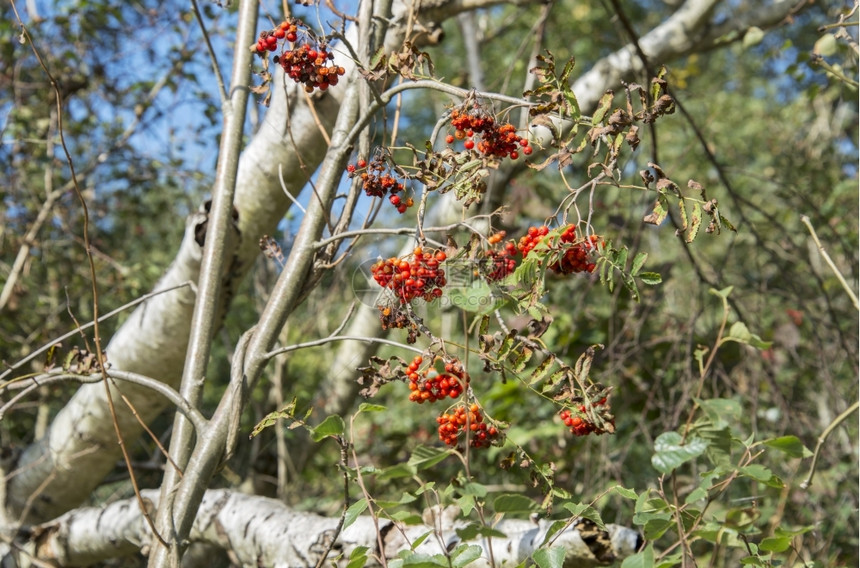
<point>257,531</point>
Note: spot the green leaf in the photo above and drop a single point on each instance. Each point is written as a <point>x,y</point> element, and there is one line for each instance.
<point>407,517</point>
<point>367,407</point>
<point>585,511</point>
<point>272,418</point>
<point>466,504</point>
<point>757,472</point>
<point>396,471</point>
<point>685,222</point>
<point>624,492</point>
<point>549,557</point>
<point>650,278</point>
<point>724,293</point>
<point>423,457</point>
<point>775,544</point>
<point>644,559</point>
<point>741,334</point>
<point>621,259</point>
<point>332,426</point>
<point>541,371</point>
<point>638,261</point>
<point>354,511</point>
<point>476,489</point>
<point>474,530</point>
<point>514,503</point>
<point>669,453</point>
<point>466,553</point>
<point>602,108</point>
<point>695,222</point>
<point>655,528</point>
<point>696,494</point>
<point>790,445</point>
<point>358,557</point>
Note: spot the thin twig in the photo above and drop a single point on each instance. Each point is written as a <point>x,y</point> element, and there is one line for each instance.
<point>823,438</point>
<point>333,338</point>
<point>219,79</point>
<point>79,329</point>
<point>830,262</point>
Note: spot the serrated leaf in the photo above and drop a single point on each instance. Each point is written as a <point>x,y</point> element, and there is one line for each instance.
<point>521,360</point>
<point>790,445</point>
<point>507,343</point>
<point>638,262</point>
<point>621,259</point>
<point>602,108</point>
<point>423,457</point>
<point>695,222</point>
<point>514,503</point>
<point>728,224</point>
<point>650,278</point>
<point>669,453</point>
<point>541,370</point>
<point>377,57</point>
<point>354,511</point>
<point>585,511</point>
<point>549,557</point>
<point>655,528</point>
<point>332,426</point>
<point>685,222</point>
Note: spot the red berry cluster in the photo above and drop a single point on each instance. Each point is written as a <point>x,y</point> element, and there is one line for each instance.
<point>453,424</point>
<point>308,62</point>
<point>437,386</point>
<point>575,253</point>
<point>416,276</point>
<point>533,236</point>
<point>377,181</point>
<point>500,140</point>
<point>579,423</point>
<point>576,258</point>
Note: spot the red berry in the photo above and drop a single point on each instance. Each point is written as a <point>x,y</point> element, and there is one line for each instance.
<point>291,36</point>
<point>394,199</point>
<point>527,150</point>
<point>469,144</point>
<point>449,139</point>
<point>362,163</point>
